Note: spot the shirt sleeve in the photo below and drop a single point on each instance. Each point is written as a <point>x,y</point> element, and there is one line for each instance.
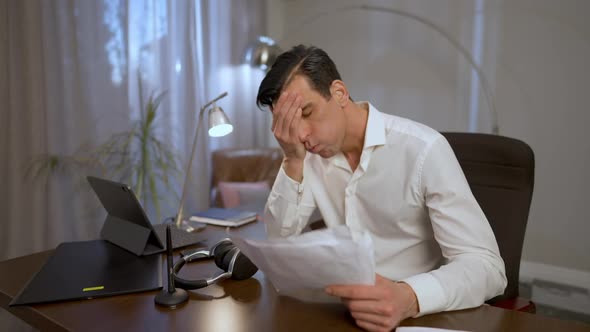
<point>472,270</point>
<point>289,206</point>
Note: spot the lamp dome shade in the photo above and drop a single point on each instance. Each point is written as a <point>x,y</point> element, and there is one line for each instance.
<point>219,124</point>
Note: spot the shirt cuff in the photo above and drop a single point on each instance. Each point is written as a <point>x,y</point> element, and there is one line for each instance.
<point>286,187</point>
<point>429,292</point>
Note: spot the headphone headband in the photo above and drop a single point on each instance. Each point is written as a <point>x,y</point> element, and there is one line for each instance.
<point>227,257</point>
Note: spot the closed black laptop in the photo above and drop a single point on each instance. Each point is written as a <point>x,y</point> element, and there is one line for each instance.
<point>128,226</point>
<point>89,269</point>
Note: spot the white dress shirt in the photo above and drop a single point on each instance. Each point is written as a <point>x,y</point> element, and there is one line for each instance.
<point>411,195</point>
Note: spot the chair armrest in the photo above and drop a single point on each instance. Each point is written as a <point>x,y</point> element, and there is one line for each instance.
<point>518,304</point>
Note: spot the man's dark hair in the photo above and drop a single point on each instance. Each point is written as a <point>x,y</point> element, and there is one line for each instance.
<point>311,62</point>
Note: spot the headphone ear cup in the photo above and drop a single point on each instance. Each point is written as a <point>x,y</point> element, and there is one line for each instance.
<point>243,267</point>
<point>220,252</point>
<point>227,258</point>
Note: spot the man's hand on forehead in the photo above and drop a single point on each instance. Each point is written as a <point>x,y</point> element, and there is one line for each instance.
<point>286,116</point>
<point>281,97</point>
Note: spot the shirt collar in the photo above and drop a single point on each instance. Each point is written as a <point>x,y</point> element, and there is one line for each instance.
<point>374,136</point>
<point>375,131</point>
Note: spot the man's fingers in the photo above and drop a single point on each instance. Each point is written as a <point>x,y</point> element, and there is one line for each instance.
<point>374,308</point>
<point>368,306</point>
<point>290,115</point>
<point>295,124</point>
<point>277,110</point>
<point>284,113</point>
<point>355,292</point>
<point>274,122</point>
<point>381,321</point>
<point>278,119</point>
<point>287,103</point>
<point>368,326</point>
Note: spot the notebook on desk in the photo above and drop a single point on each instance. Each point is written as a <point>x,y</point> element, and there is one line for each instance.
<point>89,269</point>
<point>224,217</point>
<point>127,224</point>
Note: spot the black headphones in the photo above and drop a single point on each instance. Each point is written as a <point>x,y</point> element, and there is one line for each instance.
<point>227,257</point>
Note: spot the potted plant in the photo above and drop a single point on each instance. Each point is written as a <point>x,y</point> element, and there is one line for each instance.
<point>137,157</point>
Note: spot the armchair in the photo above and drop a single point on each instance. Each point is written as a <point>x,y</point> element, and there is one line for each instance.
<point>243,165</point>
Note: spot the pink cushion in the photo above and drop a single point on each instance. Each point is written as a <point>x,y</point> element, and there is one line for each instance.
<point>234,194</point>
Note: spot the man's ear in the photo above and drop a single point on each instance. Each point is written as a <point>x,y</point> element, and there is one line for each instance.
<point>340,92</point>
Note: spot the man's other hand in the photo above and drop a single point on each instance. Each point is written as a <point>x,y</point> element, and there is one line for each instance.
<point>380,307</point>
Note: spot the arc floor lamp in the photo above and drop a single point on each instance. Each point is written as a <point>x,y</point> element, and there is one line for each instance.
<point>265,50</point>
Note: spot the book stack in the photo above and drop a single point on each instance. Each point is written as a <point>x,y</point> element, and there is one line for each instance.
<point>224,217</point>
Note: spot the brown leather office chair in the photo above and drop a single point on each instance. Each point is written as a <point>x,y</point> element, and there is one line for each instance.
<point>500,172</point>
<point>244,165</point>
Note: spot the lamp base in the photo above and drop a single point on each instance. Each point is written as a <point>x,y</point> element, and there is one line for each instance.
<point>171,300</point>
<point>190,226</point>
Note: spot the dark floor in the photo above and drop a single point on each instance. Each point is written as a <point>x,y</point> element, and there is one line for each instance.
<point>526,292</point>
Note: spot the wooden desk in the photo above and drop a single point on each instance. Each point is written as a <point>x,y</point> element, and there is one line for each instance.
<point>250,305</point>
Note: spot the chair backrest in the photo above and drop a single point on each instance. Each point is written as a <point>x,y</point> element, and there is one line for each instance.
<point>244,165</point>
<point>500,172</point>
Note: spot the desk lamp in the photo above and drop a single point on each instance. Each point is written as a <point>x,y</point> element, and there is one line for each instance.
<point>219,125</point>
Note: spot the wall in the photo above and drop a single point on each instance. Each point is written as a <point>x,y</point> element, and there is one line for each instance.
<point>534,55</point>
<point>542,86</point>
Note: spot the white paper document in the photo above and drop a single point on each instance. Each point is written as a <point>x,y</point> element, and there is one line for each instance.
<point>423,329</point>
<point>307,263</point>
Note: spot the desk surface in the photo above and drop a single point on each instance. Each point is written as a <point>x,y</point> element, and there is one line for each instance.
<point>250,305</point>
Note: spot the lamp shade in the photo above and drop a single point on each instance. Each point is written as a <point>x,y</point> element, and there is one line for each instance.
<point>219,124</point>
<point>263,53</point>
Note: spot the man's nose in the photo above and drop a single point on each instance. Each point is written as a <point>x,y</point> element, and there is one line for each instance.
<point>303,132</point>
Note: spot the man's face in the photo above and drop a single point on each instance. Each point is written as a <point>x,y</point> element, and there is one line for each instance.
<point>322,127</point>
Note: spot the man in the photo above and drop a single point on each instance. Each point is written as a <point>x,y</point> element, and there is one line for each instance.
<point>392,177</point>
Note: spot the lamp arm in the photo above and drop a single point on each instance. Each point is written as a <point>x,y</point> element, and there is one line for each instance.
<point>464,52</point>
<point>213,101</point>
<point>187,177</point>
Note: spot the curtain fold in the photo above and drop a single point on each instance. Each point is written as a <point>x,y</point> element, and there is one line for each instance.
<point>70,79</point>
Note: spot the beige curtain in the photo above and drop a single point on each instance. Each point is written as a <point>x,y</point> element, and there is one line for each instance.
<point>68,78</point>
<point>69,74</point>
